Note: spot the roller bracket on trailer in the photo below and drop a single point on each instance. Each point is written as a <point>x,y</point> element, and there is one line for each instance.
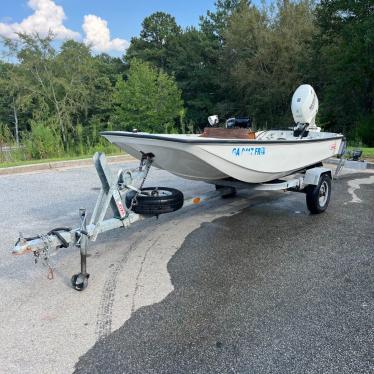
<point>127,185</point>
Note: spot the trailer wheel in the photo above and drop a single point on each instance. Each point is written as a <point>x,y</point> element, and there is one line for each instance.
<point>318,197</point>
<point>155,200</point>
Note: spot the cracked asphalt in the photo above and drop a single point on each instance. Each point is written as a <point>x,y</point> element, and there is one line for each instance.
<point>271,289</point>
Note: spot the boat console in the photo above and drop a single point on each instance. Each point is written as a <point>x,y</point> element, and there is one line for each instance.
<point>239,122</point>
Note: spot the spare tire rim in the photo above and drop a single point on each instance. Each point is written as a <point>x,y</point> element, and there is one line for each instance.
<point>161,193</point>
<point>323,193</point>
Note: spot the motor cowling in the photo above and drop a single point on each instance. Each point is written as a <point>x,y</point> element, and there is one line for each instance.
<point>304,106</point>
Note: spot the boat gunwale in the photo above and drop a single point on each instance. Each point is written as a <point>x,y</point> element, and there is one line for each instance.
<point>216,140</point>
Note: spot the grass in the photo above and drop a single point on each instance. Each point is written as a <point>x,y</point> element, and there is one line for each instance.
<point>47,160</point>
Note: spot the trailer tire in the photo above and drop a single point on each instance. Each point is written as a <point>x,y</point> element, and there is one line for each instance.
<point>163,200</point>
<point>318,197</point>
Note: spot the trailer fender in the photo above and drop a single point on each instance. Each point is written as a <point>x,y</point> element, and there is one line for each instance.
<point>312,176</point>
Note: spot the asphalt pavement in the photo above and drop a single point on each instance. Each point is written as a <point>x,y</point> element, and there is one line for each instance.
<point>271,289</point>
<point>253,284</point>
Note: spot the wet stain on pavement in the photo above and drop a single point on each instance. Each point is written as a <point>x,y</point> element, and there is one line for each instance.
<point>263,291</point>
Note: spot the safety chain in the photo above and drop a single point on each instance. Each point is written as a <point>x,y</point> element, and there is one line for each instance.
<point>43,255</point>
<point>134,200</point>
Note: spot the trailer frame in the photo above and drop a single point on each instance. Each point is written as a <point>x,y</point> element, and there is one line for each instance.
<point>113,189</point>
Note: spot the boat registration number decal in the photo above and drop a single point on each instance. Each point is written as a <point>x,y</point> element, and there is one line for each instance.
<point>252,151</point>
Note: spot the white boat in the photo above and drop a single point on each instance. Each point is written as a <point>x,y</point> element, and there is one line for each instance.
<point>271,155</point>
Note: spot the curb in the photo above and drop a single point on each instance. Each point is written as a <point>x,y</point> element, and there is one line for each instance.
<point>61,164</point>
<point>361,165</point>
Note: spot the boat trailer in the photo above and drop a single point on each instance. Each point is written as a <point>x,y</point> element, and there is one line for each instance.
<point>315,182</point>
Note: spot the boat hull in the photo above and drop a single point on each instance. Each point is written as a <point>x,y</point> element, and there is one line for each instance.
<point>247,161</point>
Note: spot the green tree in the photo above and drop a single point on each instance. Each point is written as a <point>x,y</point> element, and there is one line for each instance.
<point>75,74</point>
<point>344,61</point>
<point>68,85</point>
<point>36,56</point>
<point>152,44</point>
<point>42,141</point>
<point>6,140</point>
<point>148,100</point>
<point>192,59</point>
<point>8,99</point>
<point>265,53</point>
<point>214,26</point>
<point>193,56</point>
<point>15,100</point>
<point>216,22</point>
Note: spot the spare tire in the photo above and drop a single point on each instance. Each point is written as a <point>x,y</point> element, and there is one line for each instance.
<point>155,200</point>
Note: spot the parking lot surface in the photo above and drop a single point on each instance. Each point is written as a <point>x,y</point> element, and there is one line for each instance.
<point>252,284</point>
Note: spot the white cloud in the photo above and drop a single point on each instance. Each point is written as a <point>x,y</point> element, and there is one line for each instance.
<point>47,16</point>
<point>98,35</point>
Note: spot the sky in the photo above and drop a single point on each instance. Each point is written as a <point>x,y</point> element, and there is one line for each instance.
<point>107,25</point>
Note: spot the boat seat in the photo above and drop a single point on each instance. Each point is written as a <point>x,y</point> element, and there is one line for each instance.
<point>223,133</point>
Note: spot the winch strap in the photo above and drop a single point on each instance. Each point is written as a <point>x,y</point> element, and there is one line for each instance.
<point>64,243</point>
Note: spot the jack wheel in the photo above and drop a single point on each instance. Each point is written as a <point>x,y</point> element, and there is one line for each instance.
<point>80,281</point>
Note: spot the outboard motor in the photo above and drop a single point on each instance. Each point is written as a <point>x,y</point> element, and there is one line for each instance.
<point>239,122</point>
<point>304,108</point>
